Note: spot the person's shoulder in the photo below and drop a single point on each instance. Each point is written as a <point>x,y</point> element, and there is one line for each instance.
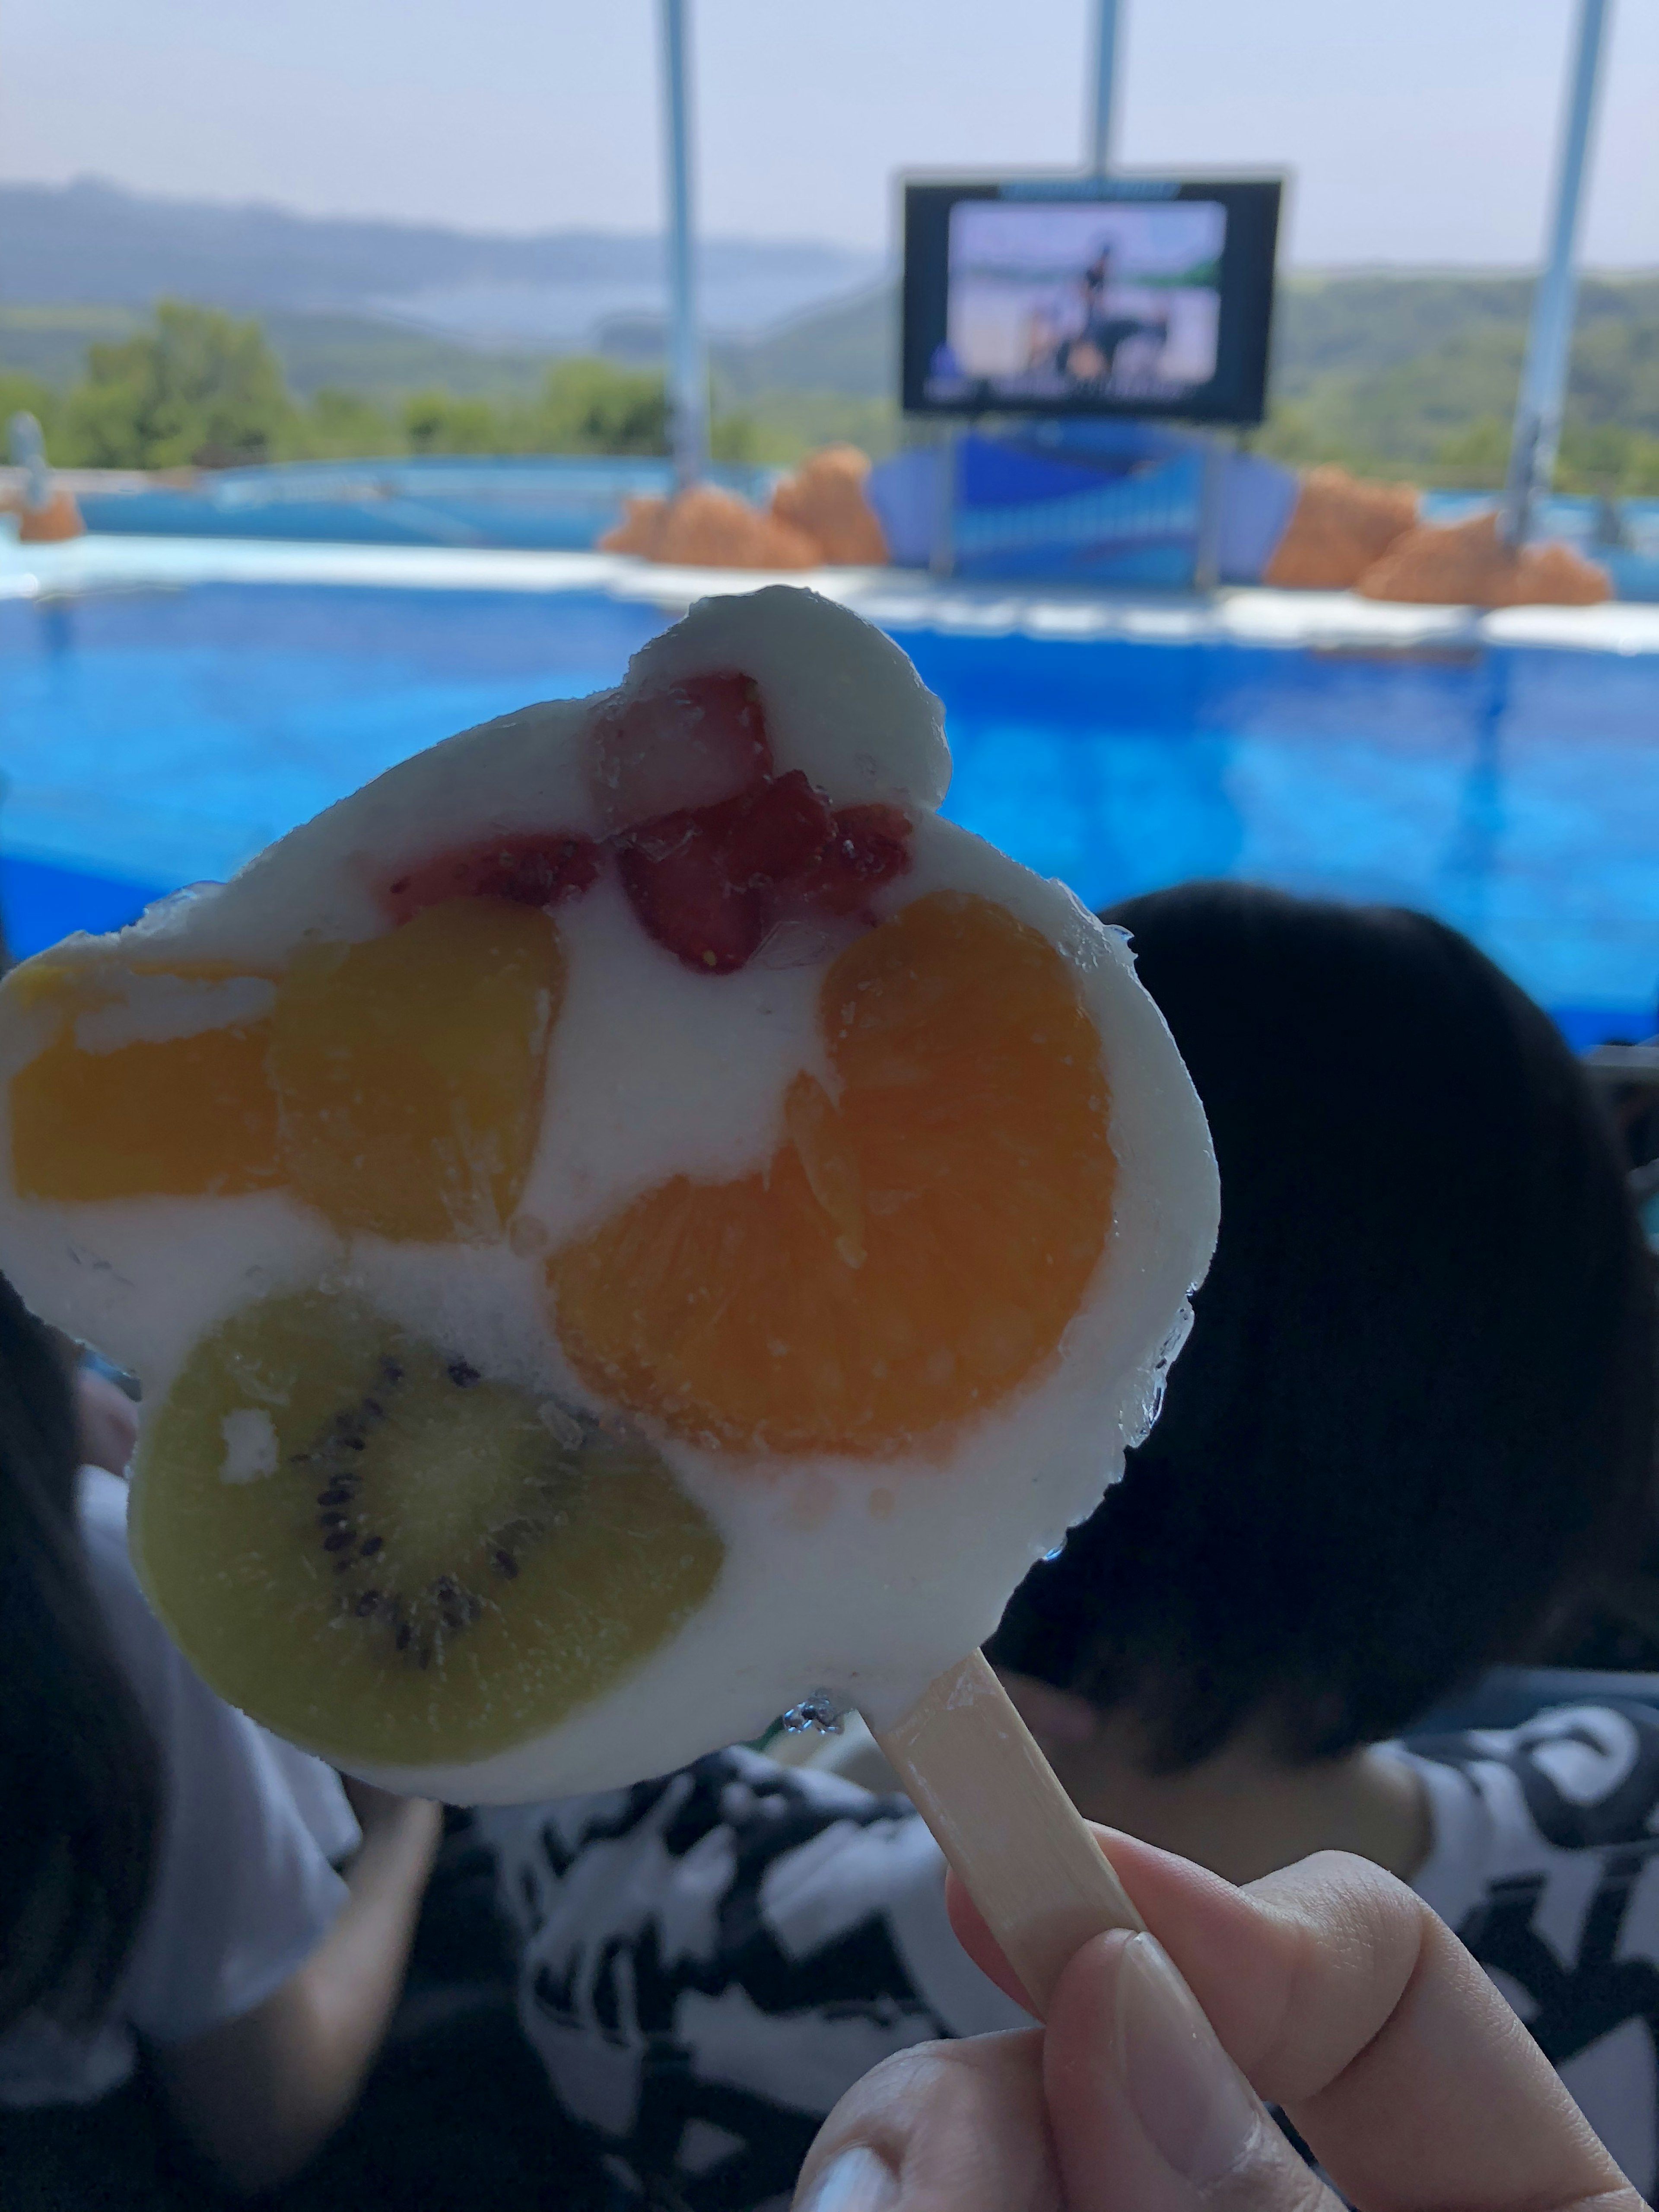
<point>1543,1862</point>
<point>1586,1777</point>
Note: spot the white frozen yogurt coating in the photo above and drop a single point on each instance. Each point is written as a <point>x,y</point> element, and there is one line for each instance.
<point>250,1445</point>
<point>843,702</point>
<point>861,1578</point>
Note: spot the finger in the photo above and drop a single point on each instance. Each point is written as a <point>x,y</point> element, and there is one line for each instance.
<point>106,1422</point>
<point>1382,2011</point>
<point>947,2127</point>
<point>1345,2001</point>
<point>1149,2114</point>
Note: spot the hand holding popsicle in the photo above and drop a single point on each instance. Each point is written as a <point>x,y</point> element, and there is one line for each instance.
<point>1327,1989</point>
<point>627,1221</point>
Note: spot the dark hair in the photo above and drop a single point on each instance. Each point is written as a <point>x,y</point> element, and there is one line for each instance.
<point>79,1785</point>
<point>1415,1419</point>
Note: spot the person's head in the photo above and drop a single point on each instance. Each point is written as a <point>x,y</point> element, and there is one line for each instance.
<point>1414,1421</point>
<point>78,1784</point>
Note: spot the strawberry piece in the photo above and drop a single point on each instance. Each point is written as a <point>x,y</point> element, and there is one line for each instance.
<point>870,846</point>
<point>690,746</point>
<point>707,882</point>
<point>698,879</point>
<point>536,867</point>
<point>674,876</point>
<point>774,832</point>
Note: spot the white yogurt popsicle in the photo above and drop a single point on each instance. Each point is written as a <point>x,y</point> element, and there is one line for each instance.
<point>627,1222</point>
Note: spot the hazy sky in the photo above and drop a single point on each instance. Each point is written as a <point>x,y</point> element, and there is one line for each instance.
<point>1418,130</point>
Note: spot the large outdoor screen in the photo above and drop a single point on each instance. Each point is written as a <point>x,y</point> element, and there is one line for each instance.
<point>1089,296</point>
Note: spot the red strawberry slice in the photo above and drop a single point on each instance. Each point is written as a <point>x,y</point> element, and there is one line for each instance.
<point>536,867</point>
<point>674,876</point>
<point>688,746</point>
<point>774,832</point>
<point>698,879</point>
<point>870,846</point>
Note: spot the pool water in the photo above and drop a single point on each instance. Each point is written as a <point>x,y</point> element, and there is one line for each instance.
<point>149,738</point>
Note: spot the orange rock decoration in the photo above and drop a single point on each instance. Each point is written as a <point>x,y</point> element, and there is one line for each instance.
<point>639,530</point>
<point>51,525</point>
<point>819,516</point>
<point>1468,564</point>
<point>704,527</point>
<point>825,498</point>
<point>1339,526</point>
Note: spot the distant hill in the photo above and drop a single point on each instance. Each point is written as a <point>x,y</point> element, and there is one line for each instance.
<point>93,244</point>
<point>1468,332</point>
<point>1403,373</point>
<point>851,346</point>
<point>1393,372</point>
<point>353,353</point>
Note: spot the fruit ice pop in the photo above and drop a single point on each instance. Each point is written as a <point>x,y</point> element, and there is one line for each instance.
<point>627,1223</point>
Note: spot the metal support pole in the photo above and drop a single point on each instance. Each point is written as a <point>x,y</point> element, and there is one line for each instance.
<point>942,555</point>
<point>1206,551</point>
<point>1549,341</point>
<point>29,452</point>
<point>687,369</point>
<point>1100,142</point>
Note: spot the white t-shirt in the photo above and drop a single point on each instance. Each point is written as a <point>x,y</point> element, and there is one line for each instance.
<point>244,1889</point>
<point>710,1960</point>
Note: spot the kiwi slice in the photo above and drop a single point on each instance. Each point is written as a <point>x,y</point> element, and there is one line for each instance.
<point>377,1552</point>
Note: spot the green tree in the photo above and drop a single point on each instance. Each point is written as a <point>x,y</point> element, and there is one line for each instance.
<point>1474,458</point>
<point>26,395</point>
<point>200,388</point>
<point>1609,457</point>
<point>343,426</point>
<point>439,422</point>
<point>592,407</point>
<point>735,437</point>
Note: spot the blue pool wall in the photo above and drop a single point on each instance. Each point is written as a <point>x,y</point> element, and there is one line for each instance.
<point>154,737</point>
<point>42,901</point>
<point>1113,501</point>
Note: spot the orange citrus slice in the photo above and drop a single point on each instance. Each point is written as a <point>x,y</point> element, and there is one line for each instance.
<point>917,1244</point>
<point>396,1085</point>
<point>409,1069</point>
<point>173,1117</point>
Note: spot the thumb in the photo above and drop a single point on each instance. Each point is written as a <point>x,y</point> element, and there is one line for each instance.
<point>1127,2104</point>
<point>1147,2112</point>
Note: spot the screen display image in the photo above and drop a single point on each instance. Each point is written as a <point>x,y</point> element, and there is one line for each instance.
<point>1090,296</point>
<point>1048,303</point>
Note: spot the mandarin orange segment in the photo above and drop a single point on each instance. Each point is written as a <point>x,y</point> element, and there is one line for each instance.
<point>189,1116</point>
<point>409,1069</point>
<point>917,1247</point>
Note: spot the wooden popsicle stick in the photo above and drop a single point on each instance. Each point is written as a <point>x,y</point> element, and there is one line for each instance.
<point>971,1768</point>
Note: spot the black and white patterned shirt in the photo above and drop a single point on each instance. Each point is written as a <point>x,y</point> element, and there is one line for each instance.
<point>710,1960</point>
<point>1545,1861</point>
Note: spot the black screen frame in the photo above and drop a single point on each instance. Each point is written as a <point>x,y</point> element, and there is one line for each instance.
<point>1235,395</point>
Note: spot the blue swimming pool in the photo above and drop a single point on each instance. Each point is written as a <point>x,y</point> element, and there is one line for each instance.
<point>152,738</point>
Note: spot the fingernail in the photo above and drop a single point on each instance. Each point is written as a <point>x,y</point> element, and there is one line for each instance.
<point>1192,2101</point>
<point>856,2181</point>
